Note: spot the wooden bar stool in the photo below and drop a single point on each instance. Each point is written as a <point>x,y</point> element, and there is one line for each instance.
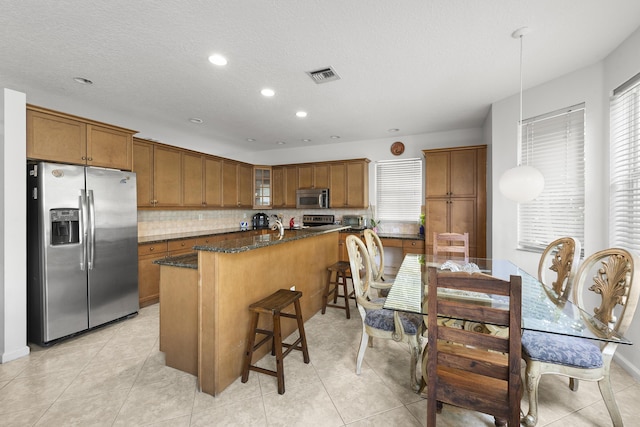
<point>274,304</point>
<point>342,273</point>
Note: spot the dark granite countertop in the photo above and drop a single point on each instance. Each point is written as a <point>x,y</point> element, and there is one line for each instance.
<point>254,242</point>
<point>389,235</point>
<point>189,260</point>
<point>247,243</point>
<point>401,236</point>
<point>188,234</point>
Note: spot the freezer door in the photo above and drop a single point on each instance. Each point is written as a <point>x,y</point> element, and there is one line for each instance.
<point>112,245</point>
<point>57,284</point>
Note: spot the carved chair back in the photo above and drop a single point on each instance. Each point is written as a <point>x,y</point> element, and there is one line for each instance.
<point>558,265</point>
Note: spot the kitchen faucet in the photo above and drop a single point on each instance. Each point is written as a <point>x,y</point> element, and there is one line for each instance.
<point>278,225</point>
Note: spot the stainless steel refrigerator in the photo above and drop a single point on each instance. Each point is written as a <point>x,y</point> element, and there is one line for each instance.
<point>81,249</point>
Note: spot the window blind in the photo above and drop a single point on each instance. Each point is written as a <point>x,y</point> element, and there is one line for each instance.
<point>624,207</point>
<point>398,190</point>
<point>554,144</point>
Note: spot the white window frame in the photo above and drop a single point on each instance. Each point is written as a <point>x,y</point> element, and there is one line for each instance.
<point>553,143</point>
<point>399,190</point>
<point>624,167</point>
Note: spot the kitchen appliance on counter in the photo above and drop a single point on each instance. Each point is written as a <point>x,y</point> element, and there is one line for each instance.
<point>260,220</point>
<point>312,198</point>
<point>82,249</point>
<point>317,220</point>
<point>356,222</point>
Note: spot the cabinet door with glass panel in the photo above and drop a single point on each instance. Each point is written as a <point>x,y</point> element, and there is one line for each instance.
<point>262,197</point>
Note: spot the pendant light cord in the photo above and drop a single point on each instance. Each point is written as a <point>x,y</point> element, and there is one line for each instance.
<point>519,139</point>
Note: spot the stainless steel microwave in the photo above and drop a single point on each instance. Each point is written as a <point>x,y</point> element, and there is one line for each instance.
<point>312,198</point>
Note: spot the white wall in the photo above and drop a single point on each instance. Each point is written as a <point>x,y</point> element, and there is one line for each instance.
<point>584,85</point>
<point>591,85</point>
<point>620,66</point>
<point>13,241</point>
<point>373,149</point>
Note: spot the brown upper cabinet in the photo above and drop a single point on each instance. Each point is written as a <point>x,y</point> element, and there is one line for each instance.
<point>159,174</point>
<point>58,137</point>
<point>170,177</point>
<point>455,195</point>
<point>192,179</point>
<point>349,184</point>
<point>347,181</point>
<point>284,186</point>
<point>212,182</point>
<point>313,175</point>
<point>237,185</point>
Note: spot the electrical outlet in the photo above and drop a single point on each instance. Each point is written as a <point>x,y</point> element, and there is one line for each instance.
<point>293,288</point>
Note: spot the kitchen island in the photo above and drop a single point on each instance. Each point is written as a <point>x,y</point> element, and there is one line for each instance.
<point>212,289</point>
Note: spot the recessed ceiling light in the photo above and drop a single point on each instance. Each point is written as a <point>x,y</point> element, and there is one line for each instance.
<point>217,59</point>
<point>280,142</point>
<point>195,120</point>
<point>306,140</point>
<point>393,130</point>
<point>301,114</point>
<point>267,92</point>
<point>334,137</point>
<point>82,81</point>
<point>250,139</point>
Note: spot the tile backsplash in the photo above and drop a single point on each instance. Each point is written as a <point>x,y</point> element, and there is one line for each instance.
<point>159,222</point>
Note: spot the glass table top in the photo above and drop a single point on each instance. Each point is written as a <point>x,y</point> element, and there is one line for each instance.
<point>542,309</point>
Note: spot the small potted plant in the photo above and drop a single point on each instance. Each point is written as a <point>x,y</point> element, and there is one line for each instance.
<point>375,223</point>
<point>422,218</point>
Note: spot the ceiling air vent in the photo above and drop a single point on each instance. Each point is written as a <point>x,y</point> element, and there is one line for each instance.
<point>323,75</point>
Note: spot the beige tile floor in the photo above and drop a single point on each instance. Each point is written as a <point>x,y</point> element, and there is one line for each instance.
<point>115,376</point>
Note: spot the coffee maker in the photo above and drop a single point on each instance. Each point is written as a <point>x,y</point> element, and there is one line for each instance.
<point>260,220</point>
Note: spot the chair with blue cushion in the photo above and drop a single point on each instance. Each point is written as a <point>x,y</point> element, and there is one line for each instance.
<point>378,322</point>
<point>611,274</point>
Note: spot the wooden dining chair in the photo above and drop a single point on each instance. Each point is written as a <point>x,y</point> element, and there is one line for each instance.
<point>378,322</point>
<point>470,369</point>
<point>558,265</point>
<point>452,243</point>
<point>376,255</point>
<point>612,274</point>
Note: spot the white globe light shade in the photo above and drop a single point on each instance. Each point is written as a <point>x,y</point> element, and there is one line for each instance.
<point>521,184</point>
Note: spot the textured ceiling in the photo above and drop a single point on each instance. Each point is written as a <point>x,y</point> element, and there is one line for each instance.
<point>417,65</point>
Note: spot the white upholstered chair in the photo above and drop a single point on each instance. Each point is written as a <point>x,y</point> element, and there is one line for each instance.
<point>378,322</point>
<point>611,273</point>
<point>376,255</point>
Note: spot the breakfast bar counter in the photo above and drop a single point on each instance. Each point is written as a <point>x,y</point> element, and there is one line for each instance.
<point>204,316</point>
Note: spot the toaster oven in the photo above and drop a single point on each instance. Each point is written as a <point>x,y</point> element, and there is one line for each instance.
<point>356,222</point>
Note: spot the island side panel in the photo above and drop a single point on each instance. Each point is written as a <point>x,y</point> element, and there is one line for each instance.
<point>179,317</point>
<point>234,281</point>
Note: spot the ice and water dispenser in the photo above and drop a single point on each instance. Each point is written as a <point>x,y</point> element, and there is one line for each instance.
<point>65,226</point>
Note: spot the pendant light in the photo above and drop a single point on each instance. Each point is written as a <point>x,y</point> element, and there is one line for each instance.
<point>522,183</point>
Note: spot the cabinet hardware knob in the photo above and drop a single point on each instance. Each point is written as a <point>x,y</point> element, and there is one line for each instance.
<point>151,249</point>
<point>84,158</point>
<point>91,159</point>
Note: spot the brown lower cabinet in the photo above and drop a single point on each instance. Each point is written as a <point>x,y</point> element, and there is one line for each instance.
<point>149,273</point>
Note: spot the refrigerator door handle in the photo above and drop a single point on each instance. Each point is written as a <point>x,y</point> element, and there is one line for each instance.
<point>84,225</point>
<point>92,229</point>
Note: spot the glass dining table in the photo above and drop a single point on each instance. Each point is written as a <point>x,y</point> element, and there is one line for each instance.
<point>542,309</point>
